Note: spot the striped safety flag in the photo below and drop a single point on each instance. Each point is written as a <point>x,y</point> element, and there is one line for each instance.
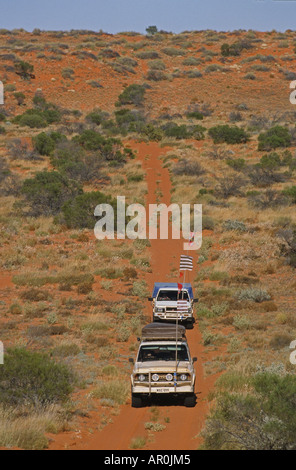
<point>182,306</point>
<point>186,263</point>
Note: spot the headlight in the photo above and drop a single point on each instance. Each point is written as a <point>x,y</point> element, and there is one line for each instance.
<point>169,377</point>
<point>142,378</point>
<point>155,377</point>
<point>183,377</point>
<point>160,310</point>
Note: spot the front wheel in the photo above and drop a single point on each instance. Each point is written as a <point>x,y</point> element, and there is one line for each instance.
<point>137,401</point>
<point>189,402</point>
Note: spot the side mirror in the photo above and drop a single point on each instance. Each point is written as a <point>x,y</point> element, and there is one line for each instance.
<point>195,301</point>
<point>150,299</point>
<point>194,359</point>
<point>131,360</point>
<point>138,339</point>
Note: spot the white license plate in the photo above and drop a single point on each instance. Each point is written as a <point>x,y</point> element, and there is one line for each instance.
<point>162,390</point>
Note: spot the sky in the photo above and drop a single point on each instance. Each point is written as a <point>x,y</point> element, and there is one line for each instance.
<point>113,16</point>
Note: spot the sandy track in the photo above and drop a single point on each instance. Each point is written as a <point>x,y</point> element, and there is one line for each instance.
<point>185,424</point>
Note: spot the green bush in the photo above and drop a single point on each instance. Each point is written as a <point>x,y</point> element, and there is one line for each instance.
<point>39,118</point>
<point>253,294</point>
<point>228,134</point>
<point>259,416</point>
<point>33,378</point>
<point>79,211</point>
<point>183,132</point>
<point>45,143</point>
<point>291,193</point>
<point>133,94</point>
<point>47,191</point>
<point>24,69</point>
<point>109,148</point>
<point>275,137</point>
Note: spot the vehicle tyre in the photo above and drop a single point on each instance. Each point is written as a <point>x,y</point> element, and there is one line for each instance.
<point>189,402</point>
<point>190,325</point>
<point>137,401</point>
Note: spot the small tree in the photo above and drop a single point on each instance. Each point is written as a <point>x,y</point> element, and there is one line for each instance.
<point>151,30</point>
<point>133,94</point>
<point>48,191</point>
<point>20,98</point>
<point>24,69</point>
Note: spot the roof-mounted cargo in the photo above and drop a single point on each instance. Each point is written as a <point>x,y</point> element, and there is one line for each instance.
<point>171,285</point>
<point>161,331</point>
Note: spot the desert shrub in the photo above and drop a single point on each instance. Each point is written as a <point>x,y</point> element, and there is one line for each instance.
<point>229,186</point>
<point>182,131</point>
<point>157,64</point>
<point>195,115</point>
<point>193,73</point>
<point>130,120</point>
<point>250,76</point>
<point>115,390</point>
<point>275,137</point>
<point>280,341</point>
<point>188,167</point>
<point>85,288</point>
<point>267,199</point>
<point>67,73</point>
<point>192,61</point>
<point>289,250</point>
<point>45,143</point>
<point>33,378</point>
<point>20,98</point>
<point>15,309</point>
<point>147,55</point>
<point>234,225</point>
<point>237,164</point>
<point>133,94</point>
<point>290,193</point>
<point>253,294</point>
<point>208,223</point>
<point>109,148</point>
<point>97,116</point>
<point>39,118</point>
<point>109,53</point>
<point>228,134</point>
<point>36,295</point>
<point>241,322</point>
<point>66,350</point>
<point>75,163</point>
<point>24,69</point>
<point>156,75</point>
<point>235,116</point>
<point>172,51</point>
<point>268,404</point>
<point>47,191</point>
<point>78,212</point>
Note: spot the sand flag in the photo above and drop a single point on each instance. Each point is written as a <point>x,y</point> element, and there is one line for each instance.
<point>180,287</point>
<point>186,263</point>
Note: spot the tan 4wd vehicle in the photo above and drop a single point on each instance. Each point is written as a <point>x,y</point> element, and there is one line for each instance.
<point>163,365</point>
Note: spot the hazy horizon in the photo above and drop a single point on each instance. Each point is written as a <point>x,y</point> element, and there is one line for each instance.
<point>136,15</point>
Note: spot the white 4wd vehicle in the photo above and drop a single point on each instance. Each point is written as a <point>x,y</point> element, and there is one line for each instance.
<point>165,298</point>
<point>158,370</point>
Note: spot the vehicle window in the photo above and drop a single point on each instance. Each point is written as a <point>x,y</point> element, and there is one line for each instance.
<point>167,295</point>
<point>162,353</point>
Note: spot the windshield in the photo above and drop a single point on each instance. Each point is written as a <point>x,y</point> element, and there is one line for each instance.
<point>172,295</point>
<point>162,353</point>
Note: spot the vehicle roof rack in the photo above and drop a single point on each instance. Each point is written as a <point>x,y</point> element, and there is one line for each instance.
<point>158,331</point>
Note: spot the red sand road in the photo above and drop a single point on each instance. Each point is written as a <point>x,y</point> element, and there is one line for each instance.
<point>185,424</point>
